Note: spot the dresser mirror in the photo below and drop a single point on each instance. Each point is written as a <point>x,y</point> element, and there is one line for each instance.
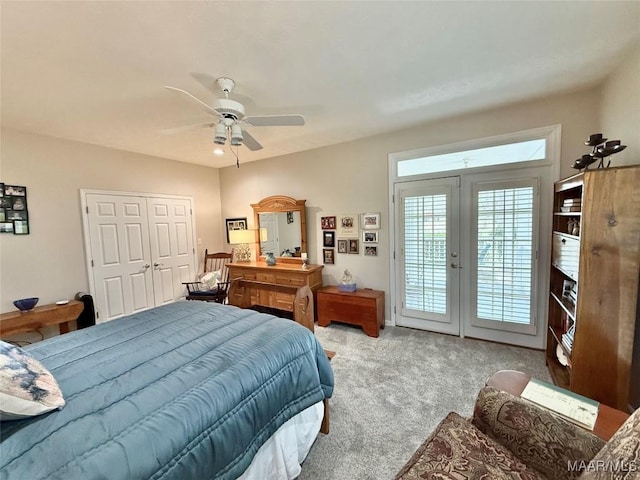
<point>283,227</point>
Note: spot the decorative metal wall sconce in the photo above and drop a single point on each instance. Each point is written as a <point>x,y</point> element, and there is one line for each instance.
<point>601,150</point>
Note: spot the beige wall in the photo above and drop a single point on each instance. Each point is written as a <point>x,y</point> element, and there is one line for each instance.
<point>352,177</point>
<point>620,108</point>
<point>50,262</point>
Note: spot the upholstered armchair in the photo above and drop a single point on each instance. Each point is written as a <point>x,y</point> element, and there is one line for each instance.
<point>508,437</point>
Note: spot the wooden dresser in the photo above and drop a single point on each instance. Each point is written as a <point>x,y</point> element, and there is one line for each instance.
<point>290,274</point>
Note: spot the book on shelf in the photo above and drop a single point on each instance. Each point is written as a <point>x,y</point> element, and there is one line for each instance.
<point>572,201</point>
<point>570,208</point>
<point>576,408</point>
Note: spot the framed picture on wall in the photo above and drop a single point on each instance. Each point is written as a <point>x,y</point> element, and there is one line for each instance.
<point>329,239</point>
<point>328,223</point>
<point>347,225</point>
<point>235,224</point>
<point>21,227</point>
<point>343,246</point>
<point>370,251</point>
<point>371,221</point>
<point>369,237</point>
<point>353,245</point>
<point>327,256</point>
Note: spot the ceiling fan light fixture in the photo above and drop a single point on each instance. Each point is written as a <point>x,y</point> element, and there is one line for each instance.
<point>236,134</point>
<point>221,134</point>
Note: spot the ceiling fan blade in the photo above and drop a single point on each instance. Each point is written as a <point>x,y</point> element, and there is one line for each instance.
<point>202,104</point>
<point>187,128</point>
<point>275,120</point>
<point>250,142</point>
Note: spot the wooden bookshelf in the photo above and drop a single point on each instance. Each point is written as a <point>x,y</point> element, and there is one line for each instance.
<point>603,257</point>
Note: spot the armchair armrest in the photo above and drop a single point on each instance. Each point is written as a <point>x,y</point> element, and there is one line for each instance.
<point>539,438</point>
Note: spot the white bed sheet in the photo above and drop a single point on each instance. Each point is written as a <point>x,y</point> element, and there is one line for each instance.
<point>281,455</point>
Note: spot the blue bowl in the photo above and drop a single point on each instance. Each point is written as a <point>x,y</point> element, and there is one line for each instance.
<point>26,304</point>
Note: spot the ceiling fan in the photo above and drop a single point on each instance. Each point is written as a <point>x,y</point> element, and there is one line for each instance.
<point>231,119</point>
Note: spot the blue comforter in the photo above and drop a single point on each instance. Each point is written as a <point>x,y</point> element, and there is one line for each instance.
<point>190,390</point>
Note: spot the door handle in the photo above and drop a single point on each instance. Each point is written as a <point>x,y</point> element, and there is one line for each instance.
<point>146,266</point>
<point>156,265</point>
<point>455,265</point>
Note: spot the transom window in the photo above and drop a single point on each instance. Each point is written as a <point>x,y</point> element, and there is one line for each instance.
<point>481,157</point>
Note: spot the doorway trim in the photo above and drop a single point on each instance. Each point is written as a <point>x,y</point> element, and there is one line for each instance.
<point>552,134</point>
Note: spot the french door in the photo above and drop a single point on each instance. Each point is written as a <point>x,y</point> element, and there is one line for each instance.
<point>139,251</point>
<point>429,254</point>
<point>468,255</point>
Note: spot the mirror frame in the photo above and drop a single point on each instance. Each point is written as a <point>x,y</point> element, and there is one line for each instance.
<point>281,203</point>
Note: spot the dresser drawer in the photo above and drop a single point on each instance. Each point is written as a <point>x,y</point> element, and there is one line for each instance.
<point>291,279</point>
<point>248,275</point>
<point>566,254</point>
<point>266,277</point>
<point>283,301</point>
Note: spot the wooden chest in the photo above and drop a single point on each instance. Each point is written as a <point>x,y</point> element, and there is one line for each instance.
<point>364,307</point>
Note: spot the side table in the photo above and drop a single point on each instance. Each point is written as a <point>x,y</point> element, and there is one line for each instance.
<point>39,317</point>
<point>364,307</point>
<point>608,421</point>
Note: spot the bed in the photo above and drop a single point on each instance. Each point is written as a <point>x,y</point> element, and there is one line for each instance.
<point>189,390</point>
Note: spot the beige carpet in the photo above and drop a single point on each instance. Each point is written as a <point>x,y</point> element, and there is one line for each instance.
<point>393,390</point>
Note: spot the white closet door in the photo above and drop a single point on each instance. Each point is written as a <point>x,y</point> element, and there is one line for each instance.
<point>171,238</point>
<point>120,256</point>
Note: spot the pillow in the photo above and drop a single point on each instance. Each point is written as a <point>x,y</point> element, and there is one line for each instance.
<point>211,279</point>
<point>26,386</point>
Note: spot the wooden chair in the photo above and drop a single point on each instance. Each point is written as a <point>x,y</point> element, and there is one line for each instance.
<point>200,291</point>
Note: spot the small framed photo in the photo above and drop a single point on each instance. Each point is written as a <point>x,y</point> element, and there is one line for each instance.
<point>371,221</point>
<point>18,203</point>
<point>369,237</point>
<point>15,190</point>
<point>21,227</point>
<point>328,223</point>
<point>235,224</point>
<point>347,225</point>
<point>327,256</point>
<point>5,202</point>
<point>6,227</point>
<point>11,215</point>
<point>343,246</point>
<point>1,189</point>
<point>354,246</point>
<point>329,239</point>
<point>370,251</point>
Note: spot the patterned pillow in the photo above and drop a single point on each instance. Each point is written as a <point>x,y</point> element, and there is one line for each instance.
<point>26,386</point>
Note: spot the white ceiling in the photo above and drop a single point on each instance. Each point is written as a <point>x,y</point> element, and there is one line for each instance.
<point>94,71</point>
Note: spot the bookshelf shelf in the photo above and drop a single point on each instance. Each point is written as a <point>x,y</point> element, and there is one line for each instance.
<point>602,263</point>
